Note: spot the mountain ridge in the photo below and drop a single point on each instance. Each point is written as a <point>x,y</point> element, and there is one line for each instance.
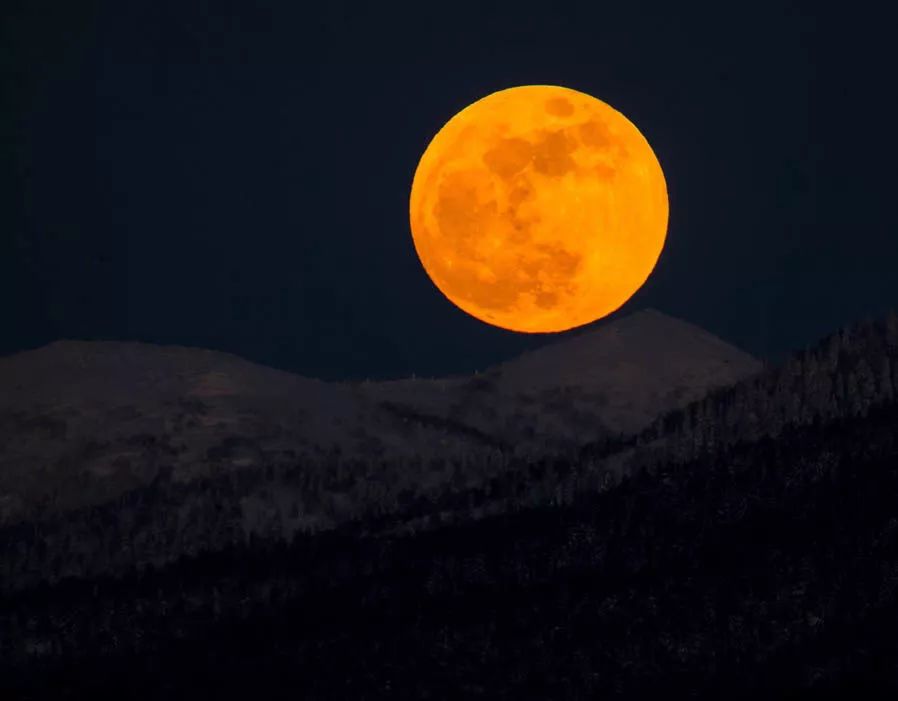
<point>242,489</point>
<point>112,413</point>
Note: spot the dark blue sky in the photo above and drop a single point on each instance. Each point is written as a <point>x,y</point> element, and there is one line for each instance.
<point>235,175</point>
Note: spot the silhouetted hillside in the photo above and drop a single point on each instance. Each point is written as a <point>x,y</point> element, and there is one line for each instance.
<point>91,433</point>
<point>770,568</point>
<point>278,495</point>
<point>744,546</point>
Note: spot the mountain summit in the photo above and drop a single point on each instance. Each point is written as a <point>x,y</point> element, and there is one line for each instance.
<point>641,365</point>
<point>615,378</point>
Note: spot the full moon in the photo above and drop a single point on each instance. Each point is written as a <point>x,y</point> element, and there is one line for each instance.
<point>538,209</point>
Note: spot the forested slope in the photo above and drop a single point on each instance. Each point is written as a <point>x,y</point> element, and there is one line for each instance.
<point>768,568</point>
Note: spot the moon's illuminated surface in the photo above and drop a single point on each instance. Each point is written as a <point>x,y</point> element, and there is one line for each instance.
<point>539,208</point>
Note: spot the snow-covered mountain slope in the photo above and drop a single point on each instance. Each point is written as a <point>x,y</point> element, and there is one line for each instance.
<point>616,378</point>
<point>82,422</point>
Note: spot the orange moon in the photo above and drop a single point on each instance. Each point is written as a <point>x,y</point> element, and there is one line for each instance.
<point>538,209</point>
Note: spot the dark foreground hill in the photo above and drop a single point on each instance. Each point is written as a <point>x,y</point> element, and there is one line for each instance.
<point>767,569</point>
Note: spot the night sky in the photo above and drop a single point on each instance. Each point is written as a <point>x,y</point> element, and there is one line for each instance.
<point>235,175</point>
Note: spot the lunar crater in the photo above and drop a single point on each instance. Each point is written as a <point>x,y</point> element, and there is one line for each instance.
<point>559,106</point>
